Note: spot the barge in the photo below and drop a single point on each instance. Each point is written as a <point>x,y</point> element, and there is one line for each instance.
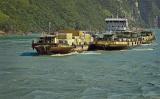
<point>62,42</point>
<point>118,36</point>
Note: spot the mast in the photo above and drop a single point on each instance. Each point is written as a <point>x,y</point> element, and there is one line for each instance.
<point>49,27</point>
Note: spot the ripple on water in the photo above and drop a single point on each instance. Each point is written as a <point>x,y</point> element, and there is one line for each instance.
<point>126,74</point>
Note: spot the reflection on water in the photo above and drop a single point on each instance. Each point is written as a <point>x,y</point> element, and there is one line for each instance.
<point>126,74</point>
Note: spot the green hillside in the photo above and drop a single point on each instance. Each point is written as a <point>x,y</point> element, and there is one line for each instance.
<point>34,15</point>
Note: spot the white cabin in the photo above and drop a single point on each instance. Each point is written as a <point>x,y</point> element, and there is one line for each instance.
<point>116,24</point>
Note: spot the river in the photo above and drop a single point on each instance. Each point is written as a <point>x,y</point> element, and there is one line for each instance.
<point>125,74</point>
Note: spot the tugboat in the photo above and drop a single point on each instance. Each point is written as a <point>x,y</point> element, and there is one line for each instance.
<point>62,42</point>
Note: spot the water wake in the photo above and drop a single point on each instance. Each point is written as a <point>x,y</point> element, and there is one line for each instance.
<point>146,44</point>
<point>76,53</point>
<point>139,49</point>
<point>143,49</point>
<point>62,55</point>
<point>90,53</point>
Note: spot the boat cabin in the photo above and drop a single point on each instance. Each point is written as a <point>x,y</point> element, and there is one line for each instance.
<point>116,24</point>
<point>47,39</point>
<point>105,36</point>
<point>128,34</point>
<point>146,33</point>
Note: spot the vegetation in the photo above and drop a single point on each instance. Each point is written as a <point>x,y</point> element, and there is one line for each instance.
<point>34,15</point>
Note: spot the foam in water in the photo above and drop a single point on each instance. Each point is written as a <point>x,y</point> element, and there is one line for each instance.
<point>144,49</point>
<point>75,53</point>
<point>90,53</point>
<point>146,44</point>
<point>140,49</point>
<point>61,55</point>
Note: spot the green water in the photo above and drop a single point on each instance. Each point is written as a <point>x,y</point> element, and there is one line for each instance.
<point>127,74</point>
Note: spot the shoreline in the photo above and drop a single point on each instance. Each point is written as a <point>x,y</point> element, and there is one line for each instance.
<point>17,34</point>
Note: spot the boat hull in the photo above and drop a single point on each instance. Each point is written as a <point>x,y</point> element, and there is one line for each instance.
<point>60,50</point>
<point>81,48</point>
<point>44,49</point>
<point>103,47</point>
<point>112,45</point>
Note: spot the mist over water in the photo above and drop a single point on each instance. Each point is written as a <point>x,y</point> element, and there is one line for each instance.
<point>126,74</point>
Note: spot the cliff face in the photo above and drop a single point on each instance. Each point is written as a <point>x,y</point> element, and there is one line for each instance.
<point>149,10</point>
<point>34,15</point>
<point>139,12</point>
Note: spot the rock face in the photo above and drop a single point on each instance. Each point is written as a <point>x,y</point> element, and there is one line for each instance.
<point>146,11</point>
<point>140,12</point>
<point>34,15</point>
<point>149,10</point>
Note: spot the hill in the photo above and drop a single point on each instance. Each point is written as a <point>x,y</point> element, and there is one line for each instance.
<point>34,15</point>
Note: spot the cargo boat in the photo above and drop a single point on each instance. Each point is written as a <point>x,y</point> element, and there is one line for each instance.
<point>62,42</point>
<point>118,36</point>
<point>113,41</point>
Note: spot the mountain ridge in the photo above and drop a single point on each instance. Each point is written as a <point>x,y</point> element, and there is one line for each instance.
<point>31,15</point>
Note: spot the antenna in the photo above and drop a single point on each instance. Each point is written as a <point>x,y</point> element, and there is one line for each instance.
<point>49,27</point>
<point>112,16</point>
<point>117,13</point>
